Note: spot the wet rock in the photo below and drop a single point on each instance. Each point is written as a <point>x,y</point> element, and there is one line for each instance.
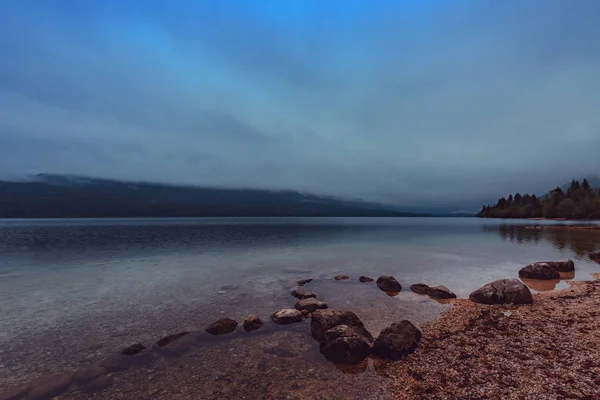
<point>441,292</point>
<point>397,341</point>
<point>252,323</point>
<point>562,266</point>
<point>364,279</point>
<point>299,294</point>
<point>49,386</point>
<point>324,320</point>
<point>303,282</point>
<point>539,270</point>
<point>340,277</point>
<point>420,288</point>
<point>286,316</point>
<point>171,338</point>
<point>346,344</point>
<point>133,349</point>
<point>88,374</point>
<point>222,326</point>
<point>504,291</point>
<point>595,256</point>
<point>389,284</point>
<point>310,305</point>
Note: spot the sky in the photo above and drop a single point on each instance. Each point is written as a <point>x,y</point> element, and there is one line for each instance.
<point>416,102</point>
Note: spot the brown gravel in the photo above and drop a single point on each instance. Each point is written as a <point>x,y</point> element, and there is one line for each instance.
<point>547,350</point>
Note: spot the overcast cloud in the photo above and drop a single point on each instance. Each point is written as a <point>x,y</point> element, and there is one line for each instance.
<point>412,101</point>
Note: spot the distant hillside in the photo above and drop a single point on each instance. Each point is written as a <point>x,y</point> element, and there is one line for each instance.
<point>59,196</point>
<point>576,201</point>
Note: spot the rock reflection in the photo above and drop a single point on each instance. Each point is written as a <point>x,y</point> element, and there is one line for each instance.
<point>541,285</point>
<point>567,275</point>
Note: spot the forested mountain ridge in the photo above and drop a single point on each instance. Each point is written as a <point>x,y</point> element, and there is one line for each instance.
<point>578,201</point>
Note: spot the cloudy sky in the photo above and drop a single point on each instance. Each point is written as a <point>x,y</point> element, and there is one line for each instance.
<point>411,101</point>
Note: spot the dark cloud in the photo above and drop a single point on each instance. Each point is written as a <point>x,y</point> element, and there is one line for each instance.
<point>413,102</point>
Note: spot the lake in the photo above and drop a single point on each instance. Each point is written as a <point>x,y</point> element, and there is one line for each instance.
<point>74,291</point>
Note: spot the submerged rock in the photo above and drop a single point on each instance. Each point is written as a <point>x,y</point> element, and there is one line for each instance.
<point>441,292</point>
<point>539,270</point>
<point>88,374</point>
<point>346,344</point>
<point>420,288</point>
<point>252,323</point>
<point>303,282</point>
<point>340,277</point>
<point>389,284</point>
<point>299,294</point>
<point>286,316</point>
<point>222,326</point>
<point>171,338</point>
<point>364,279</point>
<point>47,387</point>
<point>562,266</point>
<point>397,341</point>
<point>504,291</point>
<point>310,305</point>
<point>325,319</point>
<point>133,349</point>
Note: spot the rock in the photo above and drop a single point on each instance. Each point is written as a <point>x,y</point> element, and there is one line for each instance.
<point>15,393</point>
<point>252,323</point>
<point>539,270</point>
<point>299,294</point>
<point>441,292</point>
<point>49,386</point>
<point>171,338</point>
<point>325,319</point>
<point>340,277</point>
<point>397,341</point>
<point>98,384</point>
<point>286,316</point>
<point>504,291</point>
<point>389,284</point>
<point>420,288</point>
<point>561,266</point>
<point>364,279</point>
<point>88,374</point>
<point>310,305</point>
<point>303,282</point>
<point>222,326</point>
<point>346,344</point>
<point>117,362</point>
<point>595,256</point>
<point>133,349</point>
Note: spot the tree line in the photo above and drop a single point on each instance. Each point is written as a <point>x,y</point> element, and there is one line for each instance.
<point>579,201</point>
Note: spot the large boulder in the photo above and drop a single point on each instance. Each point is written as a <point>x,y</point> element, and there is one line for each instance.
<point>346,344</point>
<point>504,291</point>
<point>441,292</point>
<point>310,305</point>
<point>222,326</point>
<point>325,319</point>
<point>299,294</point>
<point>562,266</point>
<point>252,323</point>
<point>286,316</point>
<point>397,341</point>
<point>420,288</point>
<point>389,284</point>
<point>539,270</point>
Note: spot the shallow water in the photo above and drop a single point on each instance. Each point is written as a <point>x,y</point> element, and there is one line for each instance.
<point>73,291</point>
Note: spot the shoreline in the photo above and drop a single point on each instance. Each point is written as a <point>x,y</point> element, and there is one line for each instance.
<point>548,349</point>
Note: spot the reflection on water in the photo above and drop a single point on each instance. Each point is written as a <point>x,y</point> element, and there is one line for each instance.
<point>541,285</point>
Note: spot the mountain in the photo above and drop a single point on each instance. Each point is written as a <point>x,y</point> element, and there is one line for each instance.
<point>62,196</point>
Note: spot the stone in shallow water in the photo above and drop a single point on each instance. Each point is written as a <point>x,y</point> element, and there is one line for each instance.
<point>595,256</point>
<point>504,291</point>
<point>98,384</point>
<point>252,323</point>
<point>133,349</point>
<point>49,386</point>
<point>539,270</point>
<point>310,305</point>
<point>340,277</point>
<point>389,284</point>
<point>222,326</point>
<point>171,338</point>
<point>364,279</point>
<point>303,282</point>
<point>324,320</point>
<point>441,292</point>
<point>286,316</point>
<point>299,294</point>
<point>346,344</point>
<point>397,341</point>
<point>420,288</point>
<point>88,374</point>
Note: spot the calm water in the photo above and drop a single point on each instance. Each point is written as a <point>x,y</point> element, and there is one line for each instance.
<point>68,286</point>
